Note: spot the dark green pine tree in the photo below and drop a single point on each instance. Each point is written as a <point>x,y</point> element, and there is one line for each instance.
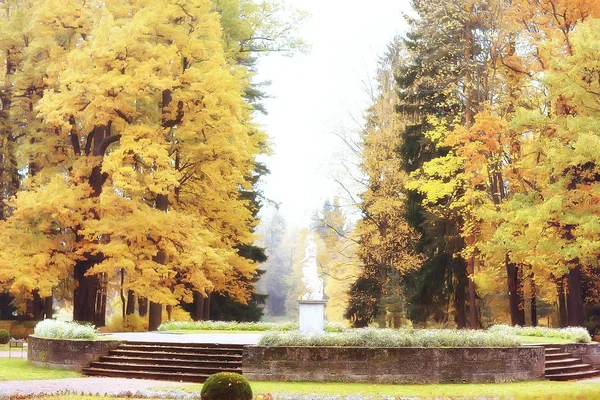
<point>428,86</point>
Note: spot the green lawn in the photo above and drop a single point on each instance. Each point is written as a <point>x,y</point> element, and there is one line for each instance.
<point>19,369</point>
<point>519,390</point>
<point>187,331</point>
<point>524,390</point>
<point>544,340</point>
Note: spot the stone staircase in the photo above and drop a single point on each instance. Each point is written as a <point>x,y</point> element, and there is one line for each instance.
<point>561,366</point>
<point>184,362</point>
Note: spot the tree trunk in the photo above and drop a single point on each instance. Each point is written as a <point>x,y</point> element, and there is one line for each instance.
<point>169,312</point>
<point>130,303</point>
<point>472,295</point>
<point>515,293</point>
<point>89,302</point>
<point>459,305</point>
<point>142,306</point>
<point>574,300</point>
<point>48,311</point>
<point>562,306</point>
<point>154,316</point>
<point>206,315</point>
<point>100,308</point>
<point>198,313</point>
<point>533,299</point>
<point>84,296</point>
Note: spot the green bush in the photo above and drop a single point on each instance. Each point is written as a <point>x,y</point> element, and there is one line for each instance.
<point>372,337</point>
<point>53,329</point>
<point>226,386</point>
<point>4,336</point>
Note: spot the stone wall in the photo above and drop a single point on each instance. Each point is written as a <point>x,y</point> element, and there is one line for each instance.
<point>67,354</point>
<point>589,352</point>
<point>393,365</point>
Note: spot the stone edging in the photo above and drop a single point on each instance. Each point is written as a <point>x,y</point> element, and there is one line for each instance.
<point>67,354</point>
<point>393,365</point>
<point>589,352</point>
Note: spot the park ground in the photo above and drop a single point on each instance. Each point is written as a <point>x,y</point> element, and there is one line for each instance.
<point>21,380</point>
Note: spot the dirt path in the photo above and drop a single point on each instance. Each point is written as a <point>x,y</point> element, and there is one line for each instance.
<point>89,385</point>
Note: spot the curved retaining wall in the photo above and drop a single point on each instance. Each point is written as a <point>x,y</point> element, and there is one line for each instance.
<point>67,354</point>
<point>589,352</point>
<point>393,365</point>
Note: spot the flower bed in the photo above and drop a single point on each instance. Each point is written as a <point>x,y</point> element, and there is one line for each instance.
<point>371,337</point>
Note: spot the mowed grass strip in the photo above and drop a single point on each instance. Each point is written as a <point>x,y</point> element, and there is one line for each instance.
<point>19,369</point>
<point>516,390</point>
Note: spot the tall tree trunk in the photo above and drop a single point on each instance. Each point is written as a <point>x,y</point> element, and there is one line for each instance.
<point>521,294</point>
<point>515,293</point>
<point>48,310</point>
<point>574,299</point>
<point>154,316</point>
<point>198,314</point>
<point>130,303</point>
<point>100,318</point>
<point>122,295</point>
<point>533,300</point>
<point>206,315</point>
<point>142,306</point>
<point>86,298</point>
<point>155,312</point>
<point>459,305</point>
<point>472,295</point>
<point>562,306</point>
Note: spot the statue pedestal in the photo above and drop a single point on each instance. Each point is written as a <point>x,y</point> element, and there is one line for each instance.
<point>312,315</point>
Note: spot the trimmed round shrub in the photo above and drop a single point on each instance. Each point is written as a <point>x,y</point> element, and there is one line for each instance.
<point>4,336</point>
<point>226,386</point>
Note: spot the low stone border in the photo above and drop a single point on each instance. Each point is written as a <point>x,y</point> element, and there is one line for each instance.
<point>393,365</point>
<point>589,352</point>
<point>67,354</point>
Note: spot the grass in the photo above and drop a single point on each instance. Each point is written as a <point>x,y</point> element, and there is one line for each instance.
<point>307,390</point>
<point>213,332</point>
<point>19,369</point>
<point>518,390</point>
<point>543,340</point>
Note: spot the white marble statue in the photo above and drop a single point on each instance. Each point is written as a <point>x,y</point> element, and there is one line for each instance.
<point>310,279</point>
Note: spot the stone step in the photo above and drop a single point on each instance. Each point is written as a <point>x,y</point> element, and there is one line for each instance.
<point>552,350</point>
<point>170,361</point>
<point>181,368</point>
<point>184,344</point>
<point>176,348</point>
<point>562,361</point>
<point>567,369</point>
<point>555,356</point>
<point>175,355</point>
<point>165,376</point>
<point>187,362</point>
<point>573,375</point>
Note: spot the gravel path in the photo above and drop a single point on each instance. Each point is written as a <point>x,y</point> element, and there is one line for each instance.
<point>90,385</point>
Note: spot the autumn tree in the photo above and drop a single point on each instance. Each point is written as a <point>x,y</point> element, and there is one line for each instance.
<point>386,241</point>
<point>145,141</point>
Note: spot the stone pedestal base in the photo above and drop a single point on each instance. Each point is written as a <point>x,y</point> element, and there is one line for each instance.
<point>312,315</point>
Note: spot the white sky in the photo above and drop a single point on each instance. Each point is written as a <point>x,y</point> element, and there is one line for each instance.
<point>316,94</point>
